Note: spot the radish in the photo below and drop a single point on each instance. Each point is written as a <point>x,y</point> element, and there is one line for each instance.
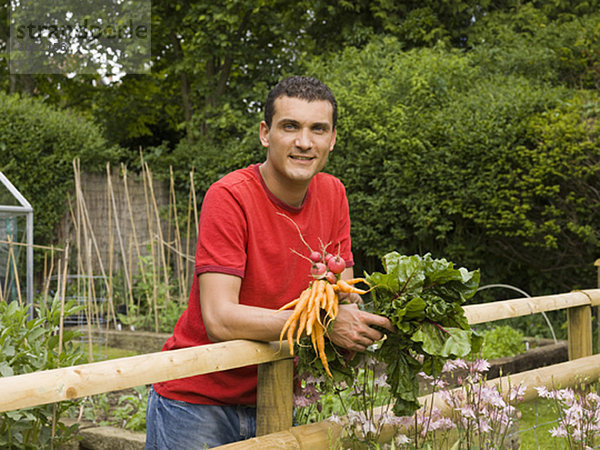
<point>331,277</point>
<point>315,257</point>
<point>336,264</point>
<point>318,270</point>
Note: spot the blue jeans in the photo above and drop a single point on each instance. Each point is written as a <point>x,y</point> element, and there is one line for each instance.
<point>177,425</point>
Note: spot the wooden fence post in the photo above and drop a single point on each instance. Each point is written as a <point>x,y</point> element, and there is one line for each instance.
<point>274,397</point>
<point>580,331</point>
<point>597,264</point>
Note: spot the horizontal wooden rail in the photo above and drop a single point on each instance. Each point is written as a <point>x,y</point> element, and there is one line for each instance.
<point>489,312</point>
<point>38,388</point>
<point>322,434</point>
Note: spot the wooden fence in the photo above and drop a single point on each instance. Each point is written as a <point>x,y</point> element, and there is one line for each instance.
<point>274,413</point>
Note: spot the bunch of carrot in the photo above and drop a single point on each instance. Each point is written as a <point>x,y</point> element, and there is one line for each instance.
<point>315,308</point>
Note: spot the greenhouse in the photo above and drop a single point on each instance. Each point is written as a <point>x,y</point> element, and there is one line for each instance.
<point>16,240</point>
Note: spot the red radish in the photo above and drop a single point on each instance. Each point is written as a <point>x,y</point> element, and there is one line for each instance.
<point>336,264</point>
<point>328,256</point>
<point>318,270</point>
<point>331,277</point>
<point>315,257</point>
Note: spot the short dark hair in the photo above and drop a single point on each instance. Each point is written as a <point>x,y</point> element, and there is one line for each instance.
<point>305,88</point>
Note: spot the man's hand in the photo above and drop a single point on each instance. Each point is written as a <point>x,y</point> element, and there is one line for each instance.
<point>352,328</point>
<point>345,297</point>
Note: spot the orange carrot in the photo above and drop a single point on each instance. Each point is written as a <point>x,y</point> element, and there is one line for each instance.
<point>345,287</point>
<point>353,281</point>
<point>320,350</point>
<point>304,297</point>
<point>331,299</point>
<point>314,311</point>
<point>290,304</point>
<point>302,325</point>
<point>290,336</point>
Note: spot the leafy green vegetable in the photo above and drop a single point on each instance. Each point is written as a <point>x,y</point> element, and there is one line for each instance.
<point>423,299</point>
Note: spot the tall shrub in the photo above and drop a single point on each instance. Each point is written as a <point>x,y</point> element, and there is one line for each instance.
<point>37,146</point>
<point>440,155</point>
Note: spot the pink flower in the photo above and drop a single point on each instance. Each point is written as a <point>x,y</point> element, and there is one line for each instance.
<point>442,423</point>
<point>336,419</point>
<point>558,432</point>
<point>492,397</point>
<point>517,393</point>
<point>451,365</point>
<point>467,412</point>
<point>306,396</point>
<point>402,439</point>
<point>592,397</point>
<point>566,395</point>
<point>300,401</point>
<point>387,418</point>
<point>484,426</point>
<point>543,392</point>
<point>480,366</point>
<point>311,379</point>
<point>573,415</point>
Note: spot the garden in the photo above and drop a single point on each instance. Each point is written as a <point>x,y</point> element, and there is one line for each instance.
<point>468,142</point>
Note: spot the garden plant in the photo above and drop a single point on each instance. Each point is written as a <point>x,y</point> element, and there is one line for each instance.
<point>30,345</point>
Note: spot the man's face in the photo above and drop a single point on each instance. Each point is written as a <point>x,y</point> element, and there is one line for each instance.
<point>299,139</point>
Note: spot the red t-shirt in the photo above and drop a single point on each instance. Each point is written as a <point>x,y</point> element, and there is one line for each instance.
<point>242,234</point>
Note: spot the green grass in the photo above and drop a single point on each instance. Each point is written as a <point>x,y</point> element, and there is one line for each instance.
<point>103,353</point>
<point>537,418</point>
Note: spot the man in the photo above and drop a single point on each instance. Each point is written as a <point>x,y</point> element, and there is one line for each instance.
<point>245,267</point>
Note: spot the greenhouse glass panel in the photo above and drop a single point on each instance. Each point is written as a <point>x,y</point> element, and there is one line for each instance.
<point>16,242</point>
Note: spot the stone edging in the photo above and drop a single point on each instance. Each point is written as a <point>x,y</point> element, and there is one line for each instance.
<point>92,437</point>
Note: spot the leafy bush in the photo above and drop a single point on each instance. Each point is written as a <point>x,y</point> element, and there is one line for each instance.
<point>37,147</point>
<point>479,156</point>
<point>129,411</point>
<point>441,155</point>
<point>31,345</point>
<point>528,43</point>
<point>501,341</point>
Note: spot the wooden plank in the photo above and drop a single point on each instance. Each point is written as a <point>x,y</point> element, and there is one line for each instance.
<point>67,383</point>
<point>579,321</point>
<point>313,436</point>
<point>274,403</point>
<point>594,295</point>
<point>284,440</point>
<point>488,312</point>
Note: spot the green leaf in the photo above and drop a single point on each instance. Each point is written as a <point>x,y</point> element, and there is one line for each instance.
<point>5,370</point>
<point>415,309</point>
<point>447,343</point>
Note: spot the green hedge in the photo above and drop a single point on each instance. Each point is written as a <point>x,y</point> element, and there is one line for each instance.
<point>442,155</point>
<point>37,147</point>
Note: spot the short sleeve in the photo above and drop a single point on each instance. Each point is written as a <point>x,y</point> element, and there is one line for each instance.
<point>222,234</point>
